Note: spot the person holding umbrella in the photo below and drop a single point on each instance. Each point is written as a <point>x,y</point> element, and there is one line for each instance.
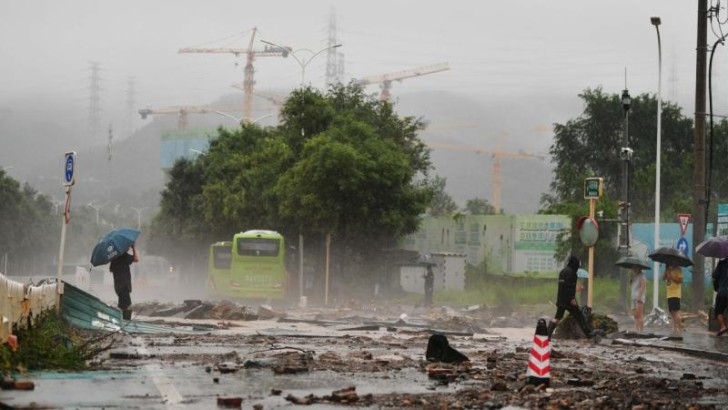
<point>639,284</point>
<point>113,248</point>
<point>720,285</point>
<point>121,269</point>
<point>673,277</point>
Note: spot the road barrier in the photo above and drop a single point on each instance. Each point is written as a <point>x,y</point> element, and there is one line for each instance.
<point>18,302</point>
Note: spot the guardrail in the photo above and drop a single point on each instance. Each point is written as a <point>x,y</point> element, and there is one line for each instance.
<point>18,302</point>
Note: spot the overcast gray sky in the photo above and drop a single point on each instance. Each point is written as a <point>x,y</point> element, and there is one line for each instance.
<point>496,49</point>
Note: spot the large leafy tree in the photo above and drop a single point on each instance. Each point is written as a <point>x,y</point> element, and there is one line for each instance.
<point>29,227</point>
<point>341,163</point>
<point>590,144</point>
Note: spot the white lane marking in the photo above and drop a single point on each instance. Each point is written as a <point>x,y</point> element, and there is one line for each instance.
<point>169,393</point>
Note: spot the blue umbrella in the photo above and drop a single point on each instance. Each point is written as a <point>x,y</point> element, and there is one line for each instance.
<point>115,243</point>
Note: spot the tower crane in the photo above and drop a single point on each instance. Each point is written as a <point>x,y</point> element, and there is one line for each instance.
<point>497,155</point>
<point>386,79</point>
<point>248,80</point>
<point>182,110</point>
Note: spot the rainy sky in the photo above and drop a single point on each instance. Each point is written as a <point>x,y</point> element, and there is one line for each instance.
<point>496,49</point>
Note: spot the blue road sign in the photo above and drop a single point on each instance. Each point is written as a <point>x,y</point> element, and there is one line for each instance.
<point>69,165</point>
<point>682,245</point>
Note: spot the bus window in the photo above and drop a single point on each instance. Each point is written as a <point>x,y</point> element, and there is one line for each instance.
<point>222,257</point>
<point>258,247</point>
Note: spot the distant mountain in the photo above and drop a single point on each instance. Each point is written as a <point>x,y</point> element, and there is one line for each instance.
<point>133,177</point>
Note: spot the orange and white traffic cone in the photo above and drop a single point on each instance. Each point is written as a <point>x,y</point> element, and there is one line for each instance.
<point>539,369</point>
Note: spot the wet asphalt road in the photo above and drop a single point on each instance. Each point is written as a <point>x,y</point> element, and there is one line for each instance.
<point>183,370</point>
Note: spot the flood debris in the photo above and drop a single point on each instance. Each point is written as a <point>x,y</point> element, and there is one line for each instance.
<point>10,383</point>
<point>439,349</point>
<point>230,402</point>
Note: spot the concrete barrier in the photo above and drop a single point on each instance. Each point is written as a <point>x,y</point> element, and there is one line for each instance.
<point>18,301</point>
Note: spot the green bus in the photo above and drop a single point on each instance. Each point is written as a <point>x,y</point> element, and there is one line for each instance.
<point>252,266</point>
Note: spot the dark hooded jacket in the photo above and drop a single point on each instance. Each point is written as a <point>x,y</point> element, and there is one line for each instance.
<point>567,282</point>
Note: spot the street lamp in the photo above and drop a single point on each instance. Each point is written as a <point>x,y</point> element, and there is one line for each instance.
<point>96,208</point>
<point>303,63</point>
<point>655,287</point>
<point>197,151</point>
<point>242,121</point>
<point>139,215</point>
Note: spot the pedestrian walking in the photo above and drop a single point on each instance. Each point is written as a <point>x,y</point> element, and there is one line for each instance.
<point>429,285</point>
<point>121,269</point>
<point>639,285</point>
<point>720,285</point>
<point>566,298</point>
<point>673,277</point>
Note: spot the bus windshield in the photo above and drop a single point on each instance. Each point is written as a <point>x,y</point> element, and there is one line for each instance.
<point>258,247</point>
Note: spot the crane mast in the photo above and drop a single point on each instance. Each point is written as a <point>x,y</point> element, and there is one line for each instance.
<point>249,71</point>
<point>497,156</point>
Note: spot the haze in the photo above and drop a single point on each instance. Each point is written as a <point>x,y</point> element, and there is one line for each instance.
<point>515,67</point>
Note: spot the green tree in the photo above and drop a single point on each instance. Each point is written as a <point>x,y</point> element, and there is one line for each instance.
<point>589,146</point>
<point>441,204</point>
<point>341,164</point>
<point>479,206</point>
<point>27,223</point>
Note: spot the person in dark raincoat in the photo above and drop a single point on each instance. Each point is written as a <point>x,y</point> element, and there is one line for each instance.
<point>121,269</point>
<point>720,285</point>
<point>566,298</point>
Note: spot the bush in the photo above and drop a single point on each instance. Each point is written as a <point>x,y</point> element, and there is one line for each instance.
<point>50,343</point>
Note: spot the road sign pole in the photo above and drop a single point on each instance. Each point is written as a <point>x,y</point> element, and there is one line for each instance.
<point>64,224</point>
<point>590,283</point>
<point>69,178</point>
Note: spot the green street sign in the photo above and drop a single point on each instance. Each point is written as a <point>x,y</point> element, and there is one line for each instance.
<point>593,188</point>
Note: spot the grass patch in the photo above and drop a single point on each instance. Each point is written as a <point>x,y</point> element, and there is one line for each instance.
<point>509,294</point>
<point>51,344</point>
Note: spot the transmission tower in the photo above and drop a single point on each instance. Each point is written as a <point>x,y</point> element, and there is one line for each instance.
<point>94,103</point>
<point>130,105</point>
<point>334,59</point>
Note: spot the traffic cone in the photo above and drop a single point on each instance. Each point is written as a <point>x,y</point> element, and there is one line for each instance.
<point>539,370</point>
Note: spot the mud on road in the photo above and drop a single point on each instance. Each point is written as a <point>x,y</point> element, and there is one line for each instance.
<point>268,360</point>
<point>386,369</point>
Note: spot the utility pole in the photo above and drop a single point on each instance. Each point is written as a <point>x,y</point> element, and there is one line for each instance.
<point>699,208</point>
<point>94,101</point>
<point>334,59</point>
<point>625,154</point>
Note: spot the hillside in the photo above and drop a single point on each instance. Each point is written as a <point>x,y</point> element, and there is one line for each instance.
<point>34,149</point>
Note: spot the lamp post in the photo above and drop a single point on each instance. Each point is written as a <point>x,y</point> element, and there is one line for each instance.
<point>139,215</point>
<point>242,121</point>
<point>626,155</point>
<point>96,208</point>
<point>655,287</point>
<point>302,62</point>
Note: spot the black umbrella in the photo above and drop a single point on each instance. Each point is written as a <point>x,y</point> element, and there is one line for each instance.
<point>631,262</point>
<point>670,256</point>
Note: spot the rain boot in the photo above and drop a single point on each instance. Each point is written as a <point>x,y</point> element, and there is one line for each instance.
<point>126,314</point>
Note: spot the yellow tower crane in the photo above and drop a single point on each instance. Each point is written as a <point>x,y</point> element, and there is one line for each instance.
<point>183,110</point>
<point>386,79</point>
<point>248,80</point>
<point>497,155</point>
